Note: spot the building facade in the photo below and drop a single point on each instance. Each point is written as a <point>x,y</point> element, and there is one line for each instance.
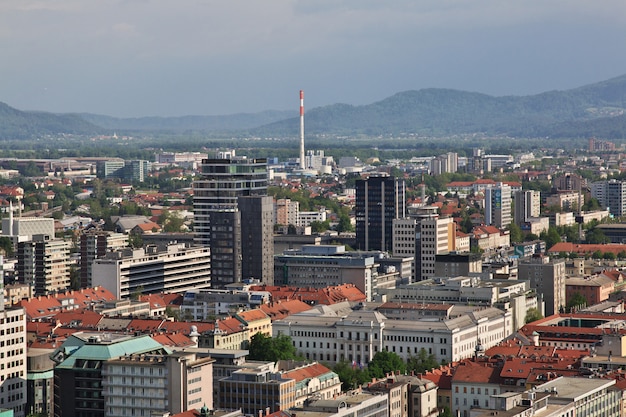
<point>326,265</point>
<point>79,375</point>
<point>141,384</point>
<point>217,216</point>
<point>13,361</point>
<point>498,205</point>
<point>175,268</point>
<point>43,263</point>
<point>527,206</point>
<point>379,200</point>
<point>547,277</point>
<point>257,238</point>
<point>95,244</point>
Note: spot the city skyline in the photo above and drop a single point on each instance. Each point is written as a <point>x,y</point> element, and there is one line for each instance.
<point>158,58</point>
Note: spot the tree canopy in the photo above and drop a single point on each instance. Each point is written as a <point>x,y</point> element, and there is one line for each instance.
<point>267,348</point>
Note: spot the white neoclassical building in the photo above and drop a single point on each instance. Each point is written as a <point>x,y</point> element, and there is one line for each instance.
<point>339,333</point>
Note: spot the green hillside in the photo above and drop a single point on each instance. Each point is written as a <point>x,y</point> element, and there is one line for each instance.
<point>16,124</point>
<point>592,110</point>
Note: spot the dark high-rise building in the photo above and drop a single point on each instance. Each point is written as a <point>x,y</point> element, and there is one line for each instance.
<point>379,200</point>
<point>257,238</point>
<point>218,217</point>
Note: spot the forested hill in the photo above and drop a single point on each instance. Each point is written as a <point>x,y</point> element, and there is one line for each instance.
<point>596,109</point>
<point>17,124</point>
<point>593,110</point>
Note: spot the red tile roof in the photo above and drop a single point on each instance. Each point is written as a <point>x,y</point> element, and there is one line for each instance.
<point>313,370</point>
<point>584,248</point>
<point>313,296</point>
<point>47,306</point>
<point>252,315</point>
<point>281,309</point>
<point>471,372</point>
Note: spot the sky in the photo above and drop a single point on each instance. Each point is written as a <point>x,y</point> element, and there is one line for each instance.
<point>133,58</point>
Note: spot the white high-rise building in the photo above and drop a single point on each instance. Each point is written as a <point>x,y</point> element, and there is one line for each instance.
<point>498,205</point>
<point>611,195</point>
<point>527,206</point>
<point>13,360</point>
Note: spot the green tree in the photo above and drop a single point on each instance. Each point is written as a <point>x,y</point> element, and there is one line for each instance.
<point>533,314</point>
<point>319,227</point>
<point>577,300</point>
<point>609,256</point>
<point>591,205</point>
<point>267,348</point>
<point>422,362</point>
<point>344,225</point>
<point>515,233</point>
<point>135,240</point>
<point>445,412</point>
<point>170,221</point>
<point>551,237</point>
<point>74,278</point>
<point>384,362</point>
<point>596,236</point>
<point>531,237</point>
<point>351,375</point>
<point>6,245</point>
<point>170,312</point>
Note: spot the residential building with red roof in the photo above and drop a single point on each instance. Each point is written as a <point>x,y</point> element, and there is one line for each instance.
<point>280,309</point>
<point>41,307</point>
<point>256,321</point>
<point>490,238</point>
<point>583,249</point>
<point>473,384</point>
<point>594,289</point>
<point>313,379</point>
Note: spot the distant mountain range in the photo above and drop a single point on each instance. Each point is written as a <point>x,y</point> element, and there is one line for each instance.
<point>593,110</point>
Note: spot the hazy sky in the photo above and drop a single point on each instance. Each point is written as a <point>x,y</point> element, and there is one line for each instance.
<point>181,57</point>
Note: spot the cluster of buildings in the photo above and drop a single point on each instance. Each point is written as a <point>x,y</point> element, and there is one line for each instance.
<point>415,284</point>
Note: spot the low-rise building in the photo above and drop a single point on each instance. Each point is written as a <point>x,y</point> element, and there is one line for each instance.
<point>594,289</point>
<point>176,268</point>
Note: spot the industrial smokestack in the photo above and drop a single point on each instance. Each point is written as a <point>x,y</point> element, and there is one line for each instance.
<point>302,164</point>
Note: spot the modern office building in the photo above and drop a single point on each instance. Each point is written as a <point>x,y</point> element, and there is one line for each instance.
<point>141,384</point>
<point>611,195</point>
<point>110,168</point>
<point>257,238</point>
<point>134,170</point>
<point>527,206</point>
<point>79,375</point>
<point>175,269</point>
<point>40,382</point>
<point>379,200</point>
<point>498,205</point>
<point>254,390</point>
<point>547,277</point>
<point>43,263</point>
<point>423,235</point>
<point>95,244</point>
<point>217,215</point>
<point>21,229</point>
<point>321,266</point>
